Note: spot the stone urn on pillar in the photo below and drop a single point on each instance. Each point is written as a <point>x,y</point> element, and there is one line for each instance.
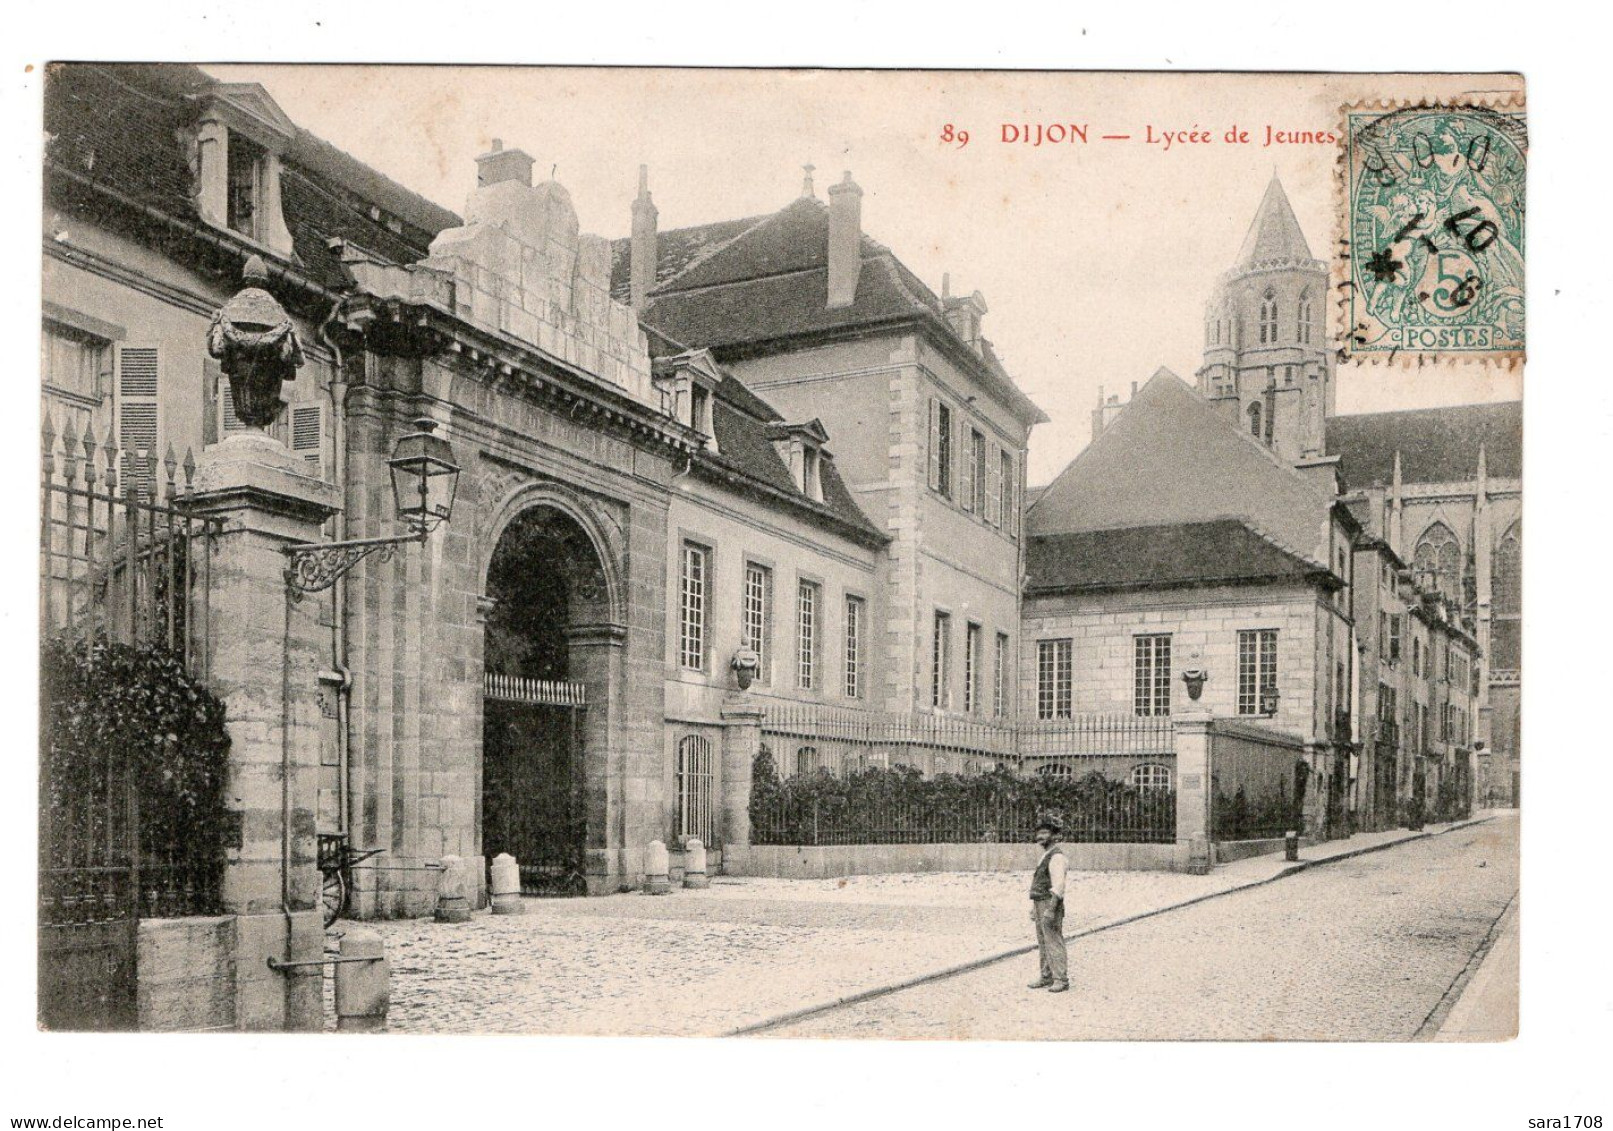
<point>256,345</point>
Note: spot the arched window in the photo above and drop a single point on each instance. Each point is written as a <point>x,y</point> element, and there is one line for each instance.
<point>695,815</point>
<point>1305,316</point>
<point>1056,770</point>
<point>1254,419</point>
<point>1507,586</point>
<point>1268,317</point>
<point>1151,776</point>
<point>1437,561</point>
<point>806,760</point>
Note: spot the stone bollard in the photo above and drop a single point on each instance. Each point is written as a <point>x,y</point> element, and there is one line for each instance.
<point>694,865</point>
<point>506,885</point>
<point>656,866</point>
<point>363,989</point>
<point>453,898</point>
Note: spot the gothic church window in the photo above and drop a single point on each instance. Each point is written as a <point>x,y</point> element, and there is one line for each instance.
<point>1305,316</point>
<point>1506,643</point>
<point>1268,317</point>
<point>1438,561</point>
<point>1254,420</point>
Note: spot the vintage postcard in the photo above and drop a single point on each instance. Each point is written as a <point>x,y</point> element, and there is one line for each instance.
<point>788,553</point>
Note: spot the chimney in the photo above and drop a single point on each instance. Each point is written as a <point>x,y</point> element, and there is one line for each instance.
<point>500,164</point>
<point>642,259</point>
<point>845,241</point>
<point>963,314</point>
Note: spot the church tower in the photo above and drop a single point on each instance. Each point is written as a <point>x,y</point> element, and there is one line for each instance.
<point>1266,361</point>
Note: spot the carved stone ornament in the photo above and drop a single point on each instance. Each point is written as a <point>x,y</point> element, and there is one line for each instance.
<point>745,664</point>
<point>256,345</point>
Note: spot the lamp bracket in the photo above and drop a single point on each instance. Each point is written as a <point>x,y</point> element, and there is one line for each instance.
<point>317,566</point>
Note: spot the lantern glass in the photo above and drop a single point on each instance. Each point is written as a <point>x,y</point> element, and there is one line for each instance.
<point>424,478</point>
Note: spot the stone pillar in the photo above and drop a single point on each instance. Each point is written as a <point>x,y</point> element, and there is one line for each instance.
<point>742,738</point>
<point>364,987</point>
<point>453,891</point>
<point>594,659</point>
<point>506,885</point>
<point>1193,799</point>
<point>265,654</point>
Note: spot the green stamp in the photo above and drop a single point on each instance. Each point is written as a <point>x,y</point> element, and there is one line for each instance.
<point>1431,265</point>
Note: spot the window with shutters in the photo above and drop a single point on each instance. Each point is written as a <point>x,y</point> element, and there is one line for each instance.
<point>758,617</point>
<point>940,447</point>
<point>139,415</point>
<point>1151,675</point>
<point>307,439</point>
<point>228,423</point>
<point>994,486</point>
<point>972,637</point>
<point>1009,485</point>
<point>973,490</point>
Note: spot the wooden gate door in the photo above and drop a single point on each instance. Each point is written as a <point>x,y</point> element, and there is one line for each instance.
<point>88,897</point>
<point>532,796</point>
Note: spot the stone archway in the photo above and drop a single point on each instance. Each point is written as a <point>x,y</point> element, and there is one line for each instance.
<point>551,673</point>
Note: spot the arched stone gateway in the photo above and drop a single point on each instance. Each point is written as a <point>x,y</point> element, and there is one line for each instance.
<point>550,663</point>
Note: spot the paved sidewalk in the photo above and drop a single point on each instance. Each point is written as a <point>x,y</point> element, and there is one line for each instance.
<point>1488,1007</point>
<point>747,952</point>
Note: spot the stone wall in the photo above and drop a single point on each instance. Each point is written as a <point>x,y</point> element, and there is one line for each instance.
<point>818,863</point>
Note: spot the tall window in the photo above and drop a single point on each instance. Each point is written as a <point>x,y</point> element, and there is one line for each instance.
<point>999,684</point>
<point>1254,419</point>
<point>1257,668</point>
<point>692,594</point>
<point>940,447</point>
<point>1506,642</point>
<point>1394,638</point>
<point>854,645</point>
<point>75,366</point>
<point>971,668</point>
<point>695,815</point>
<point>1151,675</point>
<point>245,172</point>
<point>1009,486</point>
<point>975,477</point>
<point>758,626</point>
<point>1053,678</point>
<point>1438,561</point>
<point>1305,316</point>
<point>941,662</point>
<point>806,635</point>
<point>1268,317</point>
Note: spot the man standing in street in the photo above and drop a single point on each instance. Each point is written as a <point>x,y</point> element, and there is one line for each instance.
<point>1047,909</point>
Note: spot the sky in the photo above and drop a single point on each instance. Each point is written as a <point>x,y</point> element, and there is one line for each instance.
<point>1094,259</point>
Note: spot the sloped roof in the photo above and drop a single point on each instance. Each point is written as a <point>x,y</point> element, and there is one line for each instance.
<point>1275,233</point>
<point>123,126</point>
<point>1219,552</point>
<point>750,283</point>
<point>1168,458</point>
<point>1436,445</point>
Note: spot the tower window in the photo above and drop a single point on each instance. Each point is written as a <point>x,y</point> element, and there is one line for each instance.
<point>1268,317</point>
<point>1305,317</point>
<point>1254,420</point>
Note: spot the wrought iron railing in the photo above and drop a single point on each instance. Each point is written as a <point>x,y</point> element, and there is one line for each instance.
<point>122,562</point>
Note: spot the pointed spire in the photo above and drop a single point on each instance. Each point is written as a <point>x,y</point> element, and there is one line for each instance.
<point>1275,233</point>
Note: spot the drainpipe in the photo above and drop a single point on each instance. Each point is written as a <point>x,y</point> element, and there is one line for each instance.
<point>338,597</point>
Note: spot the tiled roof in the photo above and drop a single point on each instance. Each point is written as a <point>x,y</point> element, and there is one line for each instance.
<point>1222,551</point>
<point>1436,445</point>
<point>764,280</point>
<point>123,126</point>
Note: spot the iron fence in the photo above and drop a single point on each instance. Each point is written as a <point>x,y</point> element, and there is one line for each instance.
<point>1257,781</point>
<point>121,561</point>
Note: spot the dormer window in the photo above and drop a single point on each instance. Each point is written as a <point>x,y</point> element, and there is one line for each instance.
<point>245,166</point>
<point>239,142</point>
<point>811,472</point>
<point>800,446</point>
<point>700,409</point>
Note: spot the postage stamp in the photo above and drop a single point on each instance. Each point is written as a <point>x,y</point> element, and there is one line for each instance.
<point>1430,266</point>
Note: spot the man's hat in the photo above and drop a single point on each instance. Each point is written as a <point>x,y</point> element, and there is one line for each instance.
<point>1051,824</point>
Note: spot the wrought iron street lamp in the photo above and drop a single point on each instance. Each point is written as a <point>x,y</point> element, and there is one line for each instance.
<point>425,479</point>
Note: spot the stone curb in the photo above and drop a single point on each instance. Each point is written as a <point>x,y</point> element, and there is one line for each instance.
<point>795,1015</point>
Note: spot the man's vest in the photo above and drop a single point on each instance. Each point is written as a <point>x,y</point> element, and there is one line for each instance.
<point>1042,879</point>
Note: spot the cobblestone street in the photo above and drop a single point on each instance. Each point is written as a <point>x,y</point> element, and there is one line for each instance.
<point>1363,949</point>
<point>749,950</point>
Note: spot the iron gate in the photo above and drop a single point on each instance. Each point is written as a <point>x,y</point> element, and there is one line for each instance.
<point>532,781</point>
